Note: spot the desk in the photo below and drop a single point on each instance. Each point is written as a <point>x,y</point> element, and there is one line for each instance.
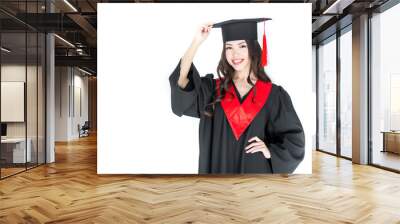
<point>391,141</point>
<point>15,148</point>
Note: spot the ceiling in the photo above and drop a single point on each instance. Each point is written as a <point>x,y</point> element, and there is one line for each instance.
<point>76,22</point>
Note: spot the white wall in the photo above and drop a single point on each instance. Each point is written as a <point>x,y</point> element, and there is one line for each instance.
<point>17,73</point>
<point>70,83</point>
<point>12,73</point>
<point>80,118</point>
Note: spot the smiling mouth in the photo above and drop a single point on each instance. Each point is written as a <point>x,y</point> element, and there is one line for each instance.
<point>237,61</point>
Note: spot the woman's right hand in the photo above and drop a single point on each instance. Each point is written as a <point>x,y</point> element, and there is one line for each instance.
<point>202,32</point>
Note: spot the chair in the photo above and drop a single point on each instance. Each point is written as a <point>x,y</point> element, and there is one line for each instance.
<point>84,130</point>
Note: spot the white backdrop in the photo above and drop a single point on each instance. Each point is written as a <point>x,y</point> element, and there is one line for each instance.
<point>139,45</point>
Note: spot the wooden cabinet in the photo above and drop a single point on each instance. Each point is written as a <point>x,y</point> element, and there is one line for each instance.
<point>391,142</point>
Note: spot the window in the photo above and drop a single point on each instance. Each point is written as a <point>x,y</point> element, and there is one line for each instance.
<point>346,93</point>
<point>385,88</point>
<point>327,96</point>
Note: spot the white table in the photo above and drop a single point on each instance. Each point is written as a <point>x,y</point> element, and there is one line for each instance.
<point>19,149</point>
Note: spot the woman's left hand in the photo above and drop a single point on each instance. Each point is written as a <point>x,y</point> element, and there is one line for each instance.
<point>258,146</point>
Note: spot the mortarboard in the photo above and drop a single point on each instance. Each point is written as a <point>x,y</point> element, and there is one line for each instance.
<point>243,29</point>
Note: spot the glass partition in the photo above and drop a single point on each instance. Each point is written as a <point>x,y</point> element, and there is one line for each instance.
<point>327,96</point>
<point>385,89</point>
<point>41,79</point>
<point>22,77</point>
<point>346,93</point>
<point>13,103</point>
<point>32,95</point>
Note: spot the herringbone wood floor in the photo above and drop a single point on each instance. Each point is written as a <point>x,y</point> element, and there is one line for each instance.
<point>70,191</point>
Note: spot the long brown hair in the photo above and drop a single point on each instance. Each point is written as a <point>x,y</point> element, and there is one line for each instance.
<point>227,71</point>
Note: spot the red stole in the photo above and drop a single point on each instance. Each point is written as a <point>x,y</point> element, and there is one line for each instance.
<point>241,115</point>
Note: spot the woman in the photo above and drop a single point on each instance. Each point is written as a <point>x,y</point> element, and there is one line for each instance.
<point>247,124</point>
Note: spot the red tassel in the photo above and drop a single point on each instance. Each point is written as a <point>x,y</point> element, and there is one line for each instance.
<point>264,50</point>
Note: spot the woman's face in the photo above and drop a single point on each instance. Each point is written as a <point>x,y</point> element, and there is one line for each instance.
<point>237,55</point>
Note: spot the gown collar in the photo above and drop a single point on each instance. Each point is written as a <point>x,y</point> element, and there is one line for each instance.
<point>241,99</point>
<point>240,115</point>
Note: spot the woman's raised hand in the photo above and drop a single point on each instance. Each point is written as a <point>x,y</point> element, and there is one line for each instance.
<point>187,59</point>
<point>202,32</point>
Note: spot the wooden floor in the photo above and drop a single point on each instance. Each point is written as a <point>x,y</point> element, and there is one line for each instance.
<point>70,191</point>
<point>388,159</point>
<point>9,170</point>
<point>5,172</point>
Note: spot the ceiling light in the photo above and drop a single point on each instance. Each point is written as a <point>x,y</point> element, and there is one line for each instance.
<point>84,71</point>
<point>70,5</point>
<point>64,40</point>
<point>5,49</point>
<point>338,6</point>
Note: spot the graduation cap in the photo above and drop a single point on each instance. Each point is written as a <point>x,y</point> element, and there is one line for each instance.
<point>243,29</point>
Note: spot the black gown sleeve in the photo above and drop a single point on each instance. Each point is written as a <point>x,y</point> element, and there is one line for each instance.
<point>286,133</point>
<point>191,100</point>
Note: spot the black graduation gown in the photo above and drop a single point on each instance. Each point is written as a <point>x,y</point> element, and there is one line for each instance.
<point>276,123</point>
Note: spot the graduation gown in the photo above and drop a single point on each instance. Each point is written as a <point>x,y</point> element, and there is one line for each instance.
<point>224,136</point>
